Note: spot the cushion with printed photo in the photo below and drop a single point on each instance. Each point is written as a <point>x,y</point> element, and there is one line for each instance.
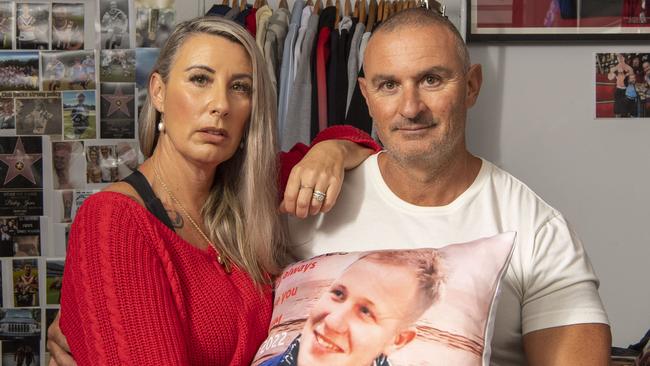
<point>390,307</point>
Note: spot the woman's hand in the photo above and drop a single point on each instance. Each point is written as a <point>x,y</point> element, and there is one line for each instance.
<point>320,172</point>
<point>57,345</point>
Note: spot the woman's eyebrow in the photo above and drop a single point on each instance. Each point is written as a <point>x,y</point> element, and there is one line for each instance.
<point>202,67</point>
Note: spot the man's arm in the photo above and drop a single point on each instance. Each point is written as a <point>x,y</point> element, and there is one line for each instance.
<point>575,345</point>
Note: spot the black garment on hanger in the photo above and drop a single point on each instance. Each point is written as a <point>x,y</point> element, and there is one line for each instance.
<point>218,10</point>
<point>337,78</point>
<point>241,17</point>
<point>568,9</point>
<point>151,201</point>
<point>358,114</point>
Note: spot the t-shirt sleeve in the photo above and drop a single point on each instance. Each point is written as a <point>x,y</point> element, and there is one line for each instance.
<point>339,132</point>
<point>117,304</point>
<point>562,288</point>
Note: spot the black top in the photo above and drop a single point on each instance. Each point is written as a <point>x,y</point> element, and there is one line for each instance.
<point>358,113</point>
<point>151,201</point>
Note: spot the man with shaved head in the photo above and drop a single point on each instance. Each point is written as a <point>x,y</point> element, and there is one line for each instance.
<point>426,190</point>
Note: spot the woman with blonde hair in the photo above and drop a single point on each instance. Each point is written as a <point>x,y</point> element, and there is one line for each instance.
<point>172,266</point>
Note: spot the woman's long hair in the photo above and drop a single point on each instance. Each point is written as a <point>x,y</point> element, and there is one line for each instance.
<point>241,211</point>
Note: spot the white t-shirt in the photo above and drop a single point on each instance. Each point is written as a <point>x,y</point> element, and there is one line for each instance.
<point>549,283</point>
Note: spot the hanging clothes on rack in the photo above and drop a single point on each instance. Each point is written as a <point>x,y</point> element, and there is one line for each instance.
<point>337,76</point>
<point>251,21</point>
<point>219,10</point>
<point>276,32</point>
<point>354,61</point>
<point>287,68</point>
<point>297,124</point>
<point>319,79</point>
<point>297,49</point>
<point>262,20</point>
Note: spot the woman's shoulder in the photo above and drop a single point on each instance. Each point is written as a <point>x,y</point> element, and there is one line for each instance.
<point>126,190</point>
<point>111,205</point>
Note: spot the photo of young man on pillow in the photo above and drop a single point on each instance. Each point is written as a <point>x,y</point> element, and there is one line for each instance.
<point>358,322</point>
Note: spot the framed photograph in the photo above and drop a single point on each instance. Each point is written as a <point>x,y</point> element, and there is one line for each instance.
<point>25,326</point>
<point>68,163</point>
<point>6,25</point>
<point>20,236</point>
<point>67,26</point>
<point>38,113</point>
<point>154,22</point>
<point>19,70</point>
<point>79,115</point>
<point>54,279</point>
<point>622,85</point>
<point>101,164</point>
<point>555,20</point>
<point>114,24</point>
<point>25,275</point>
<point>117,66</point>
<point>32,26</point>
<point>7,115</point>
<point>68,70</point>
<point>117,111</point>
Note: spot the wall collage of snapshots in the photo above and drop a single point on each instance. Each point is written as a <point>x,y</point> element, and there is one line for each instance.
<point>68,110</point>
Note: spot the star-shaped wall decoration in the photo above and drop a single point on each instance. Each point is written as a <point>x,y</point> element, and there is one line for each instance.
<point>20,163</point>
<point>118,102</point>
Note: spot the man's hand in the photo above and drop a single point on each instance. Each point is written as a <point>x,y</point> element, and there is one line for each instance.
<point>58,345</point>
<point>575,345</point>
<point>321,170</point>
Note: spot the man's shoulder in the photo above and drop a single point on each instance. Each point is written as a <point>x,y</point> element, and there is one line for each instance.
<point>512,188</point>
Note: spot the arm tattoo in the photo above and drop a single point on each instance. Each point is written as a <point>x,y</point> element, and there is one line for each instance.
<point>176,218</point>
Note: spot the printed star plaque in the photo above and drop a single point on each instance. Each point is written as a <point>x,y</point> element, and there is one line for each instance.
<point>117,111</point>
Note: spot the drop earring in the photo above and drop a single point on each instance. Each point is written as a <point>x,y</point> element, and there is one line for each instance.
<point>161,124</point>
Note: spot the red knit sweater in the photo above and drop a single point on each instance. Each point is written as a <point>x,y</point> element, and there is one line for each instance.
<point>135,293</point>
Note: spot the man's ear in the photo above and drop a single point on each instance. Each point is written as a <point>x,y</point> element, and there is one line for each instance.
<point>363,86</point>
<point>474,81</point>
<point>401,339</point>
<point>157,92</point>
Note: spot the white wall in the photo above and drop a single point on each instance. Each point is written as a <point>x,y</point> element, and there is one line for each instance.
<point>535,118</point>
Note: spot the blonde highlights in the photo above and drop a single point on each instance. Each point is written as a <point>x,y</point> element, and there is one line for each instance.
<point>241,211</point>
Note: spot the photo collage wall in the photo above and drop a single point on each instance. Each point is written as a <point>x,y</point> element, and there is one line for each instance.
<point>68,112</point>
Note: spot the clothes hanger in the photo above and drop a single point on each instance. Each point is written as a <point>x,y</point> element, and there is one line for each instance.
<point>363,11</point>
<point>380,10</point>
<point>318,6</point>
<point>235,4</point>
<point>283,4</point>
<point>337,18</point>
<point>328,3</point>
<point>355,13</point>
<point>224,2</point>
<point>309,3</point>
<point>372,15</point>
<point>347,8</point>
